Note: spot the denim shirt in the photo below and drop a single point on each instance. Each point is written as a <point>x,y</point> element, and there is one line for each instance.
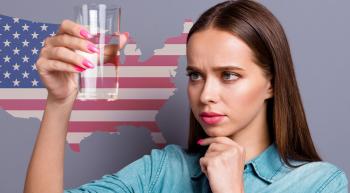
<point>172,169</point>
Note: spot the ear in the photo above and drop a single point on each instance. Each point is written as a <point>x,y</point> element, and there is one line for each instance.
<point>269,93</point>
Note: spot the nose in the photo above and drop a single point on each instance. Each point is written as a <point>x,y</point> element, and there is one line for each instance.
<point>210,92</point>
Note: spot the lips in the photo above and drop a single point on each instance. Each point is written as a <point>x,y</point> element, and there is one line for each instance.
<point>211,118</point>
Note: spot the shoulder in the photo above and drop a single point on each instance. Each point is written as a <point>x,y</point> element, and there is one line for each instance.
<point>153,162</point>
<point>170,151</point>
<point>323,176</point>
<point>144,174</point>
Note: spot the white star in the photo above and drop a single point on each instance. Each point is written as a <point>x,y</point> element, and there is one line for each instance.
<point>25,27</point>
<point>16,67</point>
<point>35,51</point>
<point>16,82</point>
<point>25,58</point>
<point>15,20</point>
<point>35,35</point>
<point>25,74</point>
<point>7,27</point>
<point>7,58</point>
<point>25,43</point>
<point>15,51</point>
<point>42,43</point>
<point>44,27</point>
<point>7,74</point>
<point>33,67</point>
<point>16,35</point>
<point>35,83</point>
<point>7,43</point>
<point>52,34</point>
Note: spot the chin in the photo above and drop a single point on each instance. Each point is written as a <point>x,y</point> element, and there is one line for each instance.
<point>215,132</point>
<point>218,131</point>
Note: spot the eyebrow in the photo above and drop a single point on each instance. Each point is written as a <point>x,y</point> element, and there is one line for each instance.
<point>219,68</point>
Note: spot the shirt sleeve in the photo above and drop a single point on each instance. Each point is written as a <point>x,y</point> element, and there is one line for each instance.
<point>337,183</point>
<point>139,176</point>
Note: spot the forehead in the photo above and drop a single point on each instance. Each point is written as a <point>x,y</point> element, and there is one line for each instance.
<point>213,47</point>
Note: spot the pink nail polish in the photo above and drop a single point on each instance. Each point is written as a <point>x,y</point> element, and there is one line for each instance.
<point>79,69</point>
<point>92,48</point>
<point>127,34</point>
<point>85,34</point>
<point>199,142</point>
<point>88,64</point>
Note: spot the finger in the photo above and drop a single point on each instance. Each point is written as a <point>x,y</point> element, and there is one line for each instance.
<point>123,39</point>
<point>74,29</point>
<point>218,147</point>
<point>71,42</point>
<point>203,162</point>
<point>210,140</point>
<point>211,154</point>
<point>66,55</point>
<point>55,65</point>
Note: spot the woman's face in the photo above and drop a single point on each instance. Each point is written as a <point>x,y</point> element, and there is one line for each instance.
<point>224,79</point>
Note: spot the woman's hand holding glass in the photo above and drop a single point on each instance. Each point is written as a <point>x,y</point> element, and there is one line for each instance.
<point>58,64</point>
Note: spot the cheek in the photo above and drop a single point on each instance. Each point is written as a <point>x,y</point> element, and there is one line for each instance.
<point>192,95</point>
<point>246,96</point>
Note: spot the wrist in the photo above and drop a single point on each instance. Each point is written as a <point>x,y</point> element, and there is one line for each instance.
<point>68,101</point>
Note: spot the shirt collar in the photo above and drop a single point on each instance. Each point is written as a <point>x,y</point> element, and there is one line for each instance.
<point>267,165</point>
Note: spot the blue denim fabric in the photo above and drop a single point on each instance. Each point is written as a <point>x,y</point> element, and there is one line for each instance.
<point>171,169</point>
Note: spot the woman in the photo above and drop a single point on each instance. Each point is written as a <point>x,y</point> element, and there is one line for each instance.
<point>248,131</point>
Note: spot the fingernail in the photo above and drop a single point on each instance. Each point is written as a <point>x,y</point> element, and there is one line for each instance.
<point>93,48</point>
<point>127,35</point>
<point>85,34</point>
<point>199,142</point>
<point>88,64</point>
<point>79,69</point>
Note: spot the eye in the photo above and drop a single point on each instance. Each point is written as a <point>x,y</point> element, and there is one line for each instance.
<point>193,76</point>
<point>230,76</point>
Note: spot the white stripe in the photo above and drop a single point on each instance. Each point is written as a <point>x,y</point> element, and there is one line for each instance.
<point>77,137</point>
<point>94,115</point>
<point>131,49</point>
<point>133,71</point>
<point>124,93</point>
<point>187,27</point>
<point>172,49</point>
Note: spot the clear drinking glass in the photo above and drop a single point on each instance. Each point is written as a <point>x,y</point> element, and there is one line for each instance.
<point>103,22</point>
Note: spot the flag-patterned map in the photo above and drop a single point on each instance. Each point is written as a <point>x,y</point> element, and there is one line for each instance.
<point>144,86</point>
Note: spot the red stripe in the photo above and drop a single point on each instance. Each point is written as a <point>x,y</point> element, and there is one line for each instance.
<point>177,40</point>
<point>129,82</point>
<point>122,104</point>
<point>156,60</point>
<point>92,126</point>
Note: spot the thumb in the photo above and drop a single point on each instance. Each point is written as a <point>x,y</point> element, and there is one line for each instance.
<point>202,163</point>
<point>123,38</point>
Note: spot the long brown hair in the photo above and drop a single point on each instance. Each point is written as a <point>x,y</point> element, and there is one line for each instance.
<point>262,32</point>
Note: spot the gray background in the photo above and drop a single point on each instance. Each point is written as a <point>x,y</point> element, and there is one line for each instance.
<point>318,32</point>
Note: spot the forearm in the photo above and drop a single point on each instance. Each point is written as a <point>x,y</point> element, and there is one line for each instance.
<point>45,171</point>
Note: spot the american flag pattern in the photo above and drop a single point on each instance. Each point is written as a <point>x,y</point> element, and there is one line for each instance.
<point>144,86</point>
